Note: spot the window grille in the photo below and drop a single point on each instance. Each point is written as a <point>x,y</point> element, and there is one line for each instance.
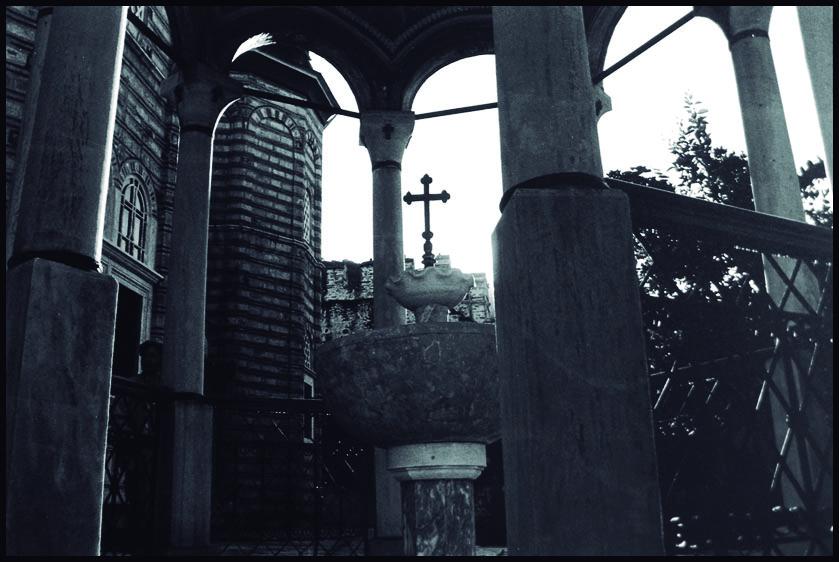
<point>133,218</point>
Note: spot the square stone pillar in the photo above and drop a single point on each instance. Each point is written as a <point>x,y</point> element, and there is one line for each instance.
<point>59,345</point>
<point>579,455</point>
<point>60,312</point>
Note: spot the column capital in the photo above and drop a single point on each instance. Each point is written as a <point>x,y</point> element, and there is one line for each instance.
<point>437,461</point>
<point>385,134</point>
<point>738,21</point>
<point>199,94</point>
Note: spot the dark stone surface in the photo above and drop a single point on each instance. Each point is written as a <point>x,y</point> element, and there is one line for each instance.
<point>59,341</point>
<point>384,546</point>
<point>189,456</point>
<point>439,518</point>
<point>580,471</point>
<point>419,383</point>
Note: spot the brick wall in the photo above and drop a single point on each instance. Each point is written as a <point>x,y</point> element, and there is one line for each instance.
<point>263,283</point>
<point>20,40</point>
<point>264,275</point>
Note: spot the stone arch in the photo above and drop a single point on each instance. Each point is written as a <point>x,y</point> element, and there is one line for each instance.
<point>237,113</point>
<point>309,28</point>
<point>599,29</point>
<point>442,38</point>
<point>459,33</point>
<point>270,112</point>
<point>312,143</point>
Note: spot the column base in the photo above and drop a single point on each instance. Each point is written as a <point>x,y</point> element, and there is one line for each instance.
<point>187,460</point>
<point>438,507</point>
<point>388,504</point>
<point>59,343</point>
<point>385,546</point>
<point>579,453</point>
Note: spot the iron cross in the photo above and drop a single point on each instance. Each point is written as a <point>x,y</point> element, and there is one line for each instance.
<point>426,197</point>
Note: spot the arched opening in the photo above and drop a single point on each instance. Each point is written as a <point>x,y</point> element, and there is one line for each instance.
<point>461,153</point>
<point>347,215</point>
<point>648,95</point>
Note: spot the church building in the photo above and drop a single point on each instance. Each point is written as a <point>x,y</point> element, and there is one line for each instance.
<point>186,376</point>
<point>263,270</point>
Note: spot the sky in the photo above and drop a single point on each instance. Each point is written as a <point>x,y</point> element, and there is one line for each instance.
<point>461,153</point>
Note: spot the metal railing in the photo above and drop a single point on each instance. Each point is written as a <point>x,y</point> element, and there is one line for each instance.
<point>741,377</point>
<point>129,511</point>
<point>741,389</point>
<point>286,480</point>
<point>284,488</point>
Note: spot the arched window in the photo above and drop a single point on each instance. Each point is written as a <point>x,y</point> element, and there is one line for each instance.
<point>133,218</point>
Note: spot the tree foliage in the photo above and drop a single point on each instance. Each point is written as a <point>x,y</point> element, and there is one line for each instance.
<point>695,291</point>
<point>705,171</point>
<point>705,310</point>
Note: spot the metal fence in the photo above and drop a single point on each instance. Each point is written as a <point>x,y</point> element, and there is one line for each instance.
<point>129,510</point>
<point>741,376</point>
<point>741,387</point>
<point>288,481</point>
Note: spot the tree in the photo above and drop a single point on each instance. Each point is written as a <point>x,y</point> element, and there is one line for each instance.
<point>705,309</point>
<point>688,284</point>
<point>818,203</point>
<point>711,173</point>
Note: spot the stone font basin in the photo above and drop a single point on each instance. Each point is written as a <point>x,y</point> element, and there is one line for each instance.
<point>419,383</point>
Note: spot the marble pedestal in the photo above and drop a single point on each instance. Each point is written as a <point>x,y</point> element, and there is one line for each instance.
<point>438,508</point>
<point>59,343</point>
<point>580,474</point>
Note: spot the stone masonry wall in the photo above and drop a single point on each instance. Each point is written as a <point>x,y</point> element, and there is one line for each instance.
<point>348,298</point>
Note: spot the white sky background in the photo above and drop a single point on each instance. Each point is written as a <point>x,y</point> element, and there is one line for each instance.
<point>461,153</point>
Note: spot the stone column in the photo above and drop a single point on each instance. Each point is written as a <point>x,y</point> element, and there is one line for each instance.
<point>385,134</point>
<point>200,95</point>
<point>438,507</point>
<point>771,165</point>
<point>776,191</point>
<point>60,311</point>
<point>33,87</point>
<point>579,455</point>
<point>817,33</point>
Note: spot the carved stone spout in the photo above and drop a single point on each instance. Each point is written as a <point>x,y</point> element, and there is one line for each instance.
<point>431,292</point>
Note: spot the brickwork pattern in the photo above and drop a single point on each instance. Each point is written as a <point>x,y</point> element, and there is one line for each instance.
<point>263,300</point>
<point>264,270</point>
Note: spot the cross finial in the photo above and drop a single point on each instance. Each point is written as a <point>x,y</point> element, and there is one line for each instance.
<point>426,197</point>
